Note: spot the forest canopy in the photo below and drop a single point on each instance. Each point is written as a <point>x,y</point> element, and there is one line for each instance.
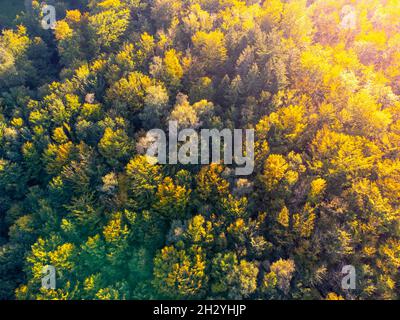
<point>318,81</point>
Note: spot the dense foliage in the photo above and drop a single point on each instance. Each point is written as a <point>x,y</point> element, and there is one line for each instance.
<point>318,80</point>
